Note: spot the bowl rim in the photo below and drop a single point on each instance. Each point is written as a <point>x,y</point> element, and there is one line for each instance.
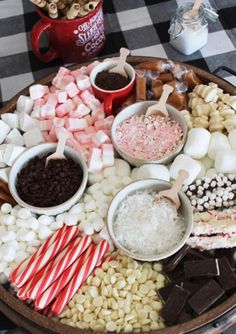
<point>164,254</point>
<point>164,159</point>
<point>45,210</point>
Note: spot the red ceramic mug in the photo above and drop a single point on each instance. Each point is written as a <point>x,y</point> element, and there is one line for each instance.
<point>70,40</point>
<point>112,98</point>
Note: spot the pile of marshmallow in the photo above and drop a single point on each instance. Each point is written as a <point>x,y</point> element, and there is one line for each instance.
<point>22,232</point>
<point>69,104</point>
<point>211,109</point>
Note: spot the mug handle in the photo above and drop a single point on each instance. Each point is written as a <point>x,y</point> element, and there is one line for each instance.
<point>36,33</point>
<point>108,100</point>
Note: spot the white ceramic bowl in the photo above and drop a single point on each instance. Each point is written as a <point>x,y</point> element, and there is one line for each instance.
<point>156,186</point>
<point>140,108</point>
<point>41,150</point>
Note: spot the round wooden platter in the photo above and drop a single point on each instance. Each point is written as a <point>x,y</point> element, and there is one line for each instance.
<point>25,317</point>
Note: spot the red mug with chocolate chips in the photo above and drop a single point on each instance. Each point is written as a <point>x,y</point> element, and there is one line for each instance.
<point>73,40</point>
<point>112,98</point>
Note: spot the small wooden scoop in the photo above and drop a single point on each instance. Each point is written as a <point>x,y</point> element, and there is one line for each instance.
<point>159,108</point>
<point>59,154</point>
<point>172,193</point>
<point>194,11</point>
<point>119,68</point>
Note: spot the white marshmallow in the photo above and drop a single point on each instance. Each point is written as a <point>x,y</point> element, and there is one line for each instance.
<point>3,266</point>
<point>24,104</point>
<point>7,220</point>
<point>93,188</point>
<point>109,171</point>
<point>31,250</point>
<point>8,253</point>
<point>122,168</point>
<point>197,143</point>
<point>78,208</point>
<point>24,213</point>
<point>4,174</point>
<point>232,139</point>
<point>27,122</point>
<point>22,223</point>
<point>33,137</point>
<point>71,220</point>
<point>15,137</point>
<point>90,206</point>
<point>56,225</point>
<point>4,129</point>
<point>88,228</point>
<point>183,161</point>
<point>21,256</point>
<point>29,236</point>
<point>12,120</point>
<point>98,224</point>
<point>218,142</point>
<point>126,180</point>
<point>6,208</point>
<point>34,242</point>
<point>11,153</point>
<point>44,232</point>
<point>38,91</point>
<point>95,177</point>
<point>134,173</point>
<point>225,161</point>
<point>45,220</point>
<point>153,171</point>
<point>7,236</point>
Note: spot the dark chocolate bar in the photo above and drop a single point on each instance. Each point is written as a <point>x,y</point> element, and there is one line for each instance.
<point>174,304</point>
<point>165,291</point>
<point>201,268</point>
<point>205,297</point>
<point>227,277</point>
<point>175,259</point>
<point>191,287</point>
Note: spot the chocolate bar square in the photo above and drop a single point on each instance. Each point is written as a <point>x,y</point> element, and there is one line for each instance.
<point>191,287</point>
<point>205,297</point>
<point>227,277</point>
<point>201,268</point>
<point>166,291</point>
<point>176,259</point>
<point>174,304</point>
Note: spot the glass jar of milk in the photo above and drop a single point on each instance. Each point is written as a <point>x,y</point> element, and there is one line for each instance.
<point>188,34</point>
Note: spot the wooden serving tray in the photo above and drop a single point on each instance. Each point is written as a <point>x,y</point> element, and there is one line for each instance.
<point>32,321</point>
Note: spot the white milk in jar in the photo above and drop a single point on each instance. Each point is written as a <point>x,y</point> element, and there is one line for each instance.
<point>188,34</point>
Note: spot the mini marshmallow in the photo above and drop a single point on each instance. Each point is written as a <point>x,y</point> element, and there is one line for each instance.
<point>32,223</point>
<point>218,142</point>
<point>27,122</point>
<point>232,139</point>
<point>46,125</point>
<point>24,104</point>
<point>36,113</point>
<point>183,161</point>
<point>109,171</point>
<point>78,208</point>
<point>4,130</point>
<point>8,236</point>
<point>225,161</point>
<point>82,137</point>
<point>63,71</point>
<point>62,96</point>
<point>33,137</point>
<point>153,171</point>
<point>81,111</point>
<point>90,100</point>
<point>12,120</point>
<point>6,208</point>
<point>71,220</point>
<point>62,110</point>
<point>4,174</point>
<point>44,232</point>
<point>38,91</point>
<point>73,124</point>
<point>83,82</point>
<point>107,155</point>
<point>24,213</point>
<point>15,137</point>
<point>197,143</point>
<point>122,168</point>
<point>2,151</point>
<point>45,220</point>
<point>52,100</point>
<point>100,138</point>
<point>11,153</point>
<point>71,89</point>
<point>47,111</point>
<point>94,177</point>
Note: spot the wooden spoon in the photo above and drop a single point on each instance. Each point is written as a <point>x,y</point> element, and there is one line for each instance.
<point>160,107</point>
<point>194,11</point>
<point>59,154</point>
<point>119,68</point>
<point>172,193</point>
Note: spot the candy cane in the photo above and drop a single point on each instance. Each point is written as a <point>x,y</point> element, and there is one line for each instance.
<point>46,257</point>
<point>53,291</point>
<point>42,249</point>
<point>73,286</point>
<point>73,251</point>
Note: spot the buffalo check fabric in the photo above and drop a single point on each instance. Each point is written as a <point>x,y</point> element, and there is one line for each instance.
<point>140,25</point>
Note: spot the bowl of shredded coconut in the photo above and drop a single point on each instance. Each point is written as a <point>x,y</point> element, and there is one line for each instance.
<point>146,229</point>
<point>141,139</point>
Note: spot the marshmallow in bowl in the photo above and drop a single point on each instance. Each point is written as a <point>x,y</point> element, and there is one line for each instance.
<point>197,143</point>
<point>183,161</point>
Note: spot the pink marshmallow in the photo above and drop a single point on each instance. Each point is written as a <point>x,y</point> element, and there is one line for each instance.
<point>67,79</point>
<point>90,100</point>
<point>91,66</point>
<point>38,91</point>
<point>108,121</point>
<point>95,161</point>
<point>46,125</point>
<point>82,137</point>
<point>89,120</point>
<point>83,82</point>
<point>74,124</point>
<point>47,111</point>
<point>52,99</point>
<point>62,96</point>
<point>100,125</point>
<point>76,73</point>
<point>59,122</point>
<point>90,130</point>
<point>63,71</point>
<point>39,102</point>
<point>53,89</point>
<point>81,111</point>
<point>62,110</point>
<point>97,115</point>
<point>100,138</point>
<point>36,112</point>
<point>71,89</point>
<point>76,100</point>
<point>107,155</point>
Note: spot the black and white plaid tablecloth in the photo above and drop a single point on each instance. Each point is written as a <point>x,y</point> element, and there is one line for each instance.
<point>140,25</point>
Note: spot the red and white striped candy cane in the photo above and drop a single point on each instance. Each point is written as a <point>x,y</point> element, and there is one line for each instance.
<point>46,257</point>
<point>73,286</point>
<point>73,251</point>
<point>42,249</point>
<point>53,291</point>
